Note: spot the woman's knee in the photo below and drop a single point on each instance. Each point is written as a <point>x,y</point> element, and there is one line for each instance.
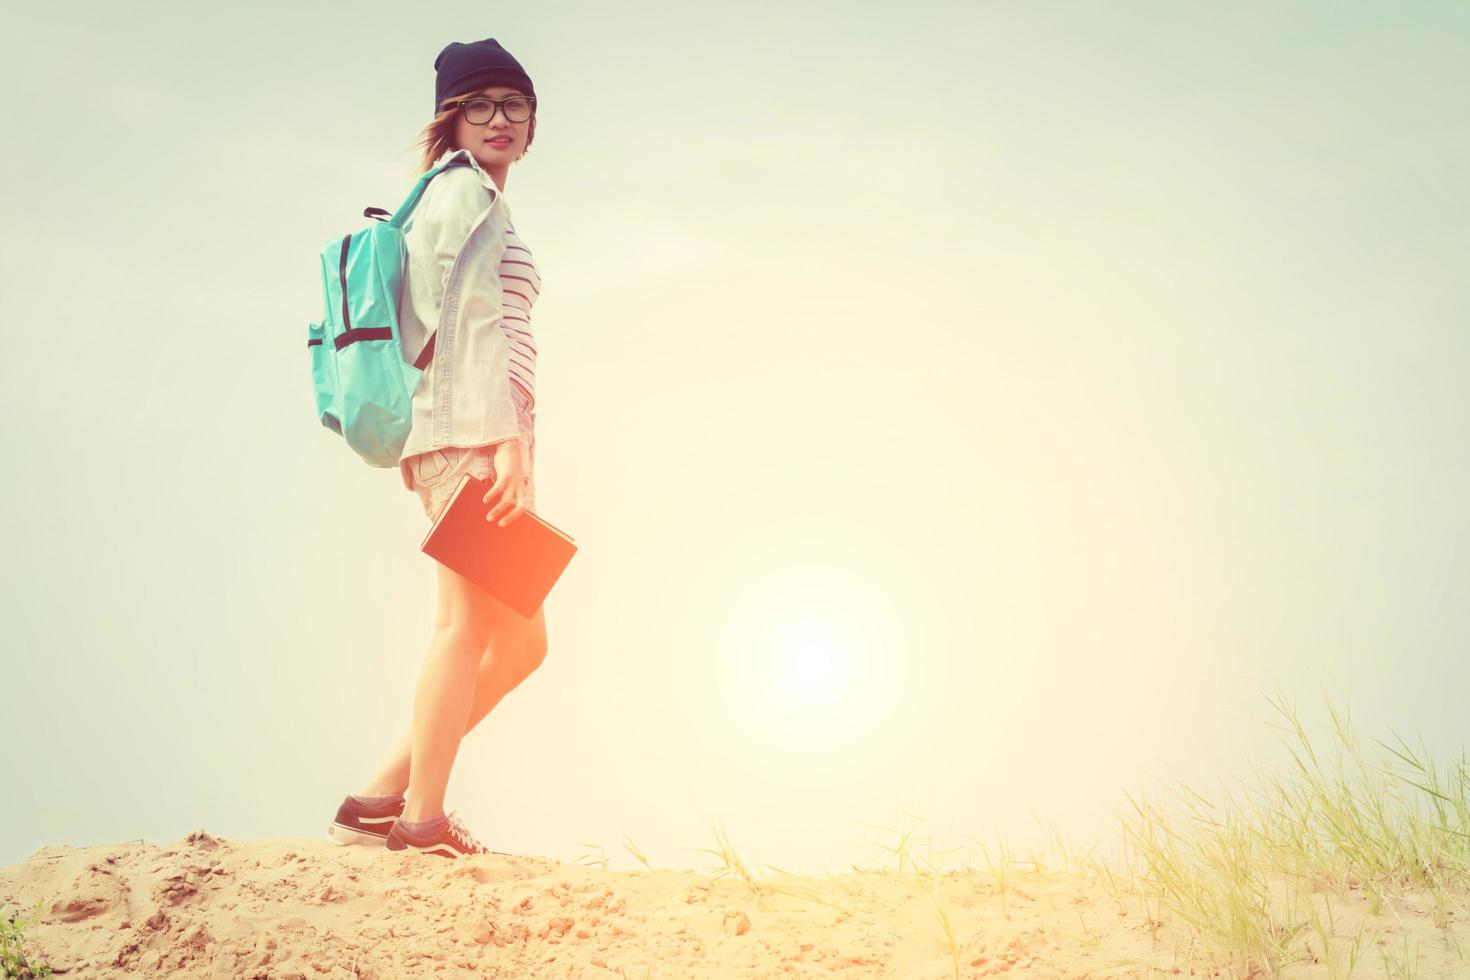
<point>534,654</point>
<point>465,612</point>
<point>530,641</point>
<point>464,639</point>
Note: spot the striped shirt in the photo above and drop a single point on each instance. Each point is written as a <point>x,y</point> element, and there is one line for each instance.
<point>520,284</point>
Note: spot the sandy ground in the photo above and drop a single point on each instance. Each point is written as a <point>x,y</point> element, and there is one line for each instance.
<point>284,908</point>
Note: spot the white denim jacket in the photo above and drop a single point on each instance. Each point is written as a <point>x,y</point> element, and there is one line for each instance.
<point>455,239</point>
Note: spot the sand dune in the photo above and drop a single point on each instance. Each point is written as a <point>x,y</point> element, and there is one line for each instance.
<point>210,907</point>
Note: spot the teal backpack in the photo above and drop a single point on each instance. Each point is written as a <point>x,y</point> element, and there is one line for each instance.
<point>364,387</point>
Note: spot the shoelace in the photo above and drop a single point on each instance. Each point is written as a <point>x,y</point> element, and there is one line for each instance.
<point>461,833</point>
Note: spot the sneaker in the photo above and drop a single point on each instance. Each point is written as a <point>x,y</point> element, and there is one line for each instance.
<point>359,824</point>
<point>451,840</point>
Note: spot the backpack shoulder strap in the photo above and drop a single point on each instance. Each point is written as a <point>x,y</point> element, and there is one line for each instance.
<point>406,209</point>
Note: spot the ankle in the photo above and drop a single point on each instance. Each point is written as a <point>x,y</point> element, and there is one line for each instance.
<point>420,814</point>
<point>391,799</point>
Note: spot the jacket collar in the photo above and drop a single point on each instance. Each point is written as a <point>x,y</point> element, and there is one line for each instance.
<point>468,158</point>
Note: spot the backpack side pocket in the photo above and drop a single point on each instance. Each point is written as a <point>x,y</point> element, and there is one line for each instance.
<point>323,376</point>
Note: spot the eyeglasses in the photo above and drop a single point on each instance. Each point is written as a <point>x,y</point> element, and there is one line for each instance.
<point>477,112</point>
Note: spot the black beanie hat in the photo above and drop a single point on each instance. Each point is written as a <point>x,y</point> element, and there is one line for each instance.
<point>464,68</point>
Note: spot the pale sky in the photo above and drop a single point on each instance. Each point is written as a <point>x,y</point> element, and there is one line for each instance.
<point>962,409</point>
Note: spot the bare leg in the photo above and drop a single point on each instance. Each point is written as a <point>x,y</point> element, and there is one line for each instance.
<point>516,648</point>
<point>463,624</point>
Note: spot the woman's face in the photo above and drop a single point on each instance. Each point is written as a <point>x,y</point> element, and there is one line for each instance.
<point>496,143</point>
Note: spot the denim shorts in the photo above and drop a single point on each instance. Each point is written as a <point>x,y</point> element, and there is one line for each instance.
<point>436,473</point>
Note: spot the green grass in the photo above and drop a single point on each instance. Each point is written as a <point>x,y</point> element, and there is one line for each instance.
<point>12,954</point>
<point>1256,874</point>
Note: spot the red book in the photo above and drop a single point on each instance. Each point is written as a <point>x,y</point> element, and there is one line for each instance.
<point>517,564</point>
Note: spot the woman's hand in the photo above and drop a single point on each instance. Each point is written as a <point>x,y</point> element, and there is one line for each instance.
<point>509,485</point>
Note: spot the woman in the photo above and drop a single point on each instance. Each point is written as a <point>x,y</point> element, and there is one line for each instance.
<point>472,281</point>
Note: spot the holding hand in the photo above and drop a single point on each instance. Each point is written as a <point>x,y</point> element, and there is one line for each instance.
<point>510,483</point>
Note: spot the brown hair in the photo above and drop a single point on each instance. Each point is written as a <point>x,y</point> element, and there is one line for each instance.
<point>438,136</point>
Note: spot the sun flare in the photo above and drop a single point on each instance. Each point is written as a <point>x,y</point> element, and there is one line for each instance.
<point>811,662</point>
<point>811,653</point>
